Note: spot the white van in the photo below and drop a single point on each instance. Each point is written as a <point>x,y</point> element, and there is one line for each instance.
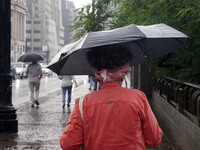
<point>20,69</point>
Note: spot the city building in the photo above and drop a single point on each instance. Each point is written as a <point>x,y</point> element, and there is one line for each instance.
<point>18,28</point>
<point>57,16</point>
<point>68,14</point>
<point>45,32</point>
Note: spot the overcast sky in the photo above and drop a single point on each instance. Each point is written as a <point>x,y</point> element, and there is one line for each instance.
<point>81,3</point>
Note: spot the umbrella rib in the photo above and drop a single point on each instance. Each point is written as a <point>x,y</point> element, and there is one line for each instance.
<point>180,41</point>
<point>145,55</point>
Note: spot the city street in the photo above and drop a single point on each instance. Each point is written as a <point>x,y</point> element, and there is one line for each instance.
<point>40,128</point>
<point>49,85</point>
<point>158,41</point>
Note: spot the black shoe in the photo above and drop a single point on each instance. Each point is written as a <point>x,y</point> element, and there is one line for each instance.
<point>63,106</point>
<point>68,105</point>
<point>37,103</point>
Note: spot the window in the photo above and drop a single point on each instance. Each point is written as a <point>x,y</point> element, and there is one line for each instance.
<point>36,48</point>
<point>36,40</point>
<point>28,31</point>
<point>28,40</point>
<point>36,22</point>
<point>36,31</point>
<point>28,21</point>
<point>28,48</point>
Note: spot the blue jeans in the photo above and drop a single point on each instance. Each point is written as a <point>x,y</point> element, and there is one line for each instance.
<point>64,89</point>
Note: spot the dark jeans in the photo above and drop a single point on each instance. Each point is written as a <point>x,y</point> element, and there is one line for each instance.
<point>64,89</point>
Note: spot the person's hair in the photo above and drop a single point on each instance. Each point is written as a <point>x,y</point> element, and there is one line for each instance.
<point>109,57</point>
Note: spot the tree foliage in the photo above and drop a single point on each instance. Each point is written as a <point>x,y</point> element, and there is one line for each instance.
<point>180,14</point>
<point>94,17</point>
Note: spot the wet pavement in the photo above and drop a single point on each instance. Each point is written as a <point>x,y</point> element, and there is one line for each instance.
<point>40,128</point>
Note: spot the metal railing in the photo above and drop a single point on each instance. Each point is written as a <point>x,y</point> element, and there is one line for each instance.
<point>183,96</point>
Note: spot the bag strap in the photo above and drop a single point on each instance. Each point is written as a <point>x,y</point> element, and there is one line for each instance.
<point>81,111</point>
<point>81,106</point>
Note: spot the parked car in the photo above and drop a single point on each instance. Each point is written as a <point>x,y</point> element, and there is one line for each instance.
<point>20,69</point>
<point>46,71</point>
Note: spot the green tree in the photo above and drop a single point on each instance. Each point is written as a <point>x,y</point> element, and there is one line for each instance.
<point>180,14</point>
<point>94,17</point>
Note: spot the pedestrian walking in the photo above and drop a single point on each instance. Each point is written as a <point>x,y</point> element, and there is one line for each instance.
<point>92,82</point>
<point>66,85</point>
<point>114,117</point>
<point>34,72</point>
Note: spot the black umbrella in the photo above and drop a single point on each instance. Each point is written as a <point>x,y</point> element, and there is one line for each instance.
<point>30,57</point>
<point>145,42</point>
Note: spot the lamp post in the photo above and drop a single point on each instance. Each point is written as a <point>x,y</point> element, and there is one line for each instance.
<point>8,117</point>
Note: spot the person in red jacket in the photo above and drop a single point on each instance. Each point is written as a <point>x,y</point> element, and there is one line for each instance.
<point>114,117</point>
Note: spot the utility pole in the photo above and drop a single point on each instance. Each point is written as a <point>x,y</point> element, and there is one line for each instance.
<point>8,117</point>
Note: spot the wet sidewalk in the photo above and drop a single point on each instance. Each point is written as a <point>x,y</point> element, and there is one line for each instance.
<point>40,128</point>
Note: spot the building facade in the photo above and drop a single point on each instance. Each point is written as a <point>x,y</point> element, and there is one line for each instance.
<point>18,28</point>
<point>45,32</point>
<point>68,14</point>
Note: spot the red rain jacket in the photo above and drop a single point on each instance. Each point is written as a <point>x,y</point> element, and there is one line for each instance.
<point>114,118</point>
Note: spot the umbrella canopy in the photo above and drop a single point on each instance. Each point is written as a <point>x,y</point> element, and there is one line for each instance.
<point>145,42</point>
<point>30,57</point>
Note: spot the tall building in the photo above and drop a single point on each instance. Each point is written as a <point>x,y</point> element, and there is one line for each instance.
<point>45,33</point>
<point>57,16</point>
<point>68,14</point>
<point>18,28</point>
